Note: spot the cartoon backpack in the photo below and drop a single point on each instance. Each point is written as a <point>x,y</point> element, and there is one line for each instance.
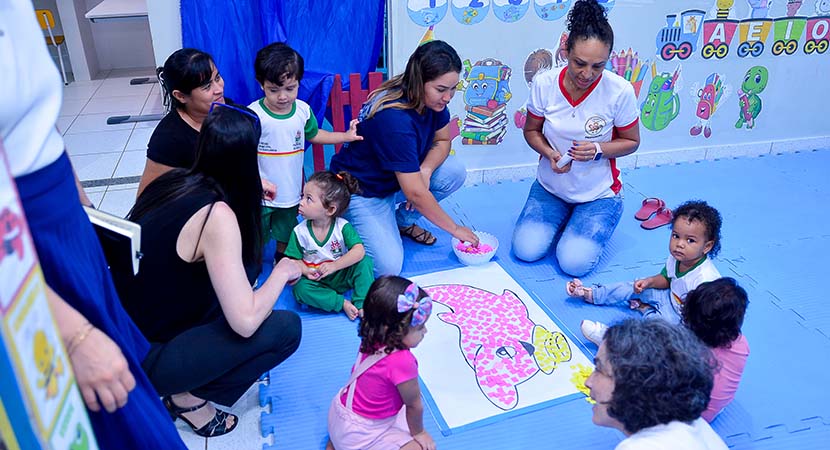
<point>487,83</point>
<point>662,104</point>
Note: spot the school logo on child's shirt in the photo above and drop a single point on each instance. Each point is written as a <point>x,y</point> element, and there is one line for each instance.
<point>298,141</point>
<point>336,249</point>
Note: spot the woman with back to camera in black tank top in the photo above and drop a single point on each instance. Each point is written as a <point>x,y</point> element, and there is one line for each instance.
<point>211,335</point>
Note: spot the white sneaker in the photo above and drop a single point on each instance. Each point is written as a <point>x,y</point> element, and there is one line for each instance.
<point>593,331</point>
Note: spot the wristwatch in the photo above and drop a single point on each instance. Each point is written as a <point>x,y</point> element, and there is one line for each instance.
<point>598,154</point>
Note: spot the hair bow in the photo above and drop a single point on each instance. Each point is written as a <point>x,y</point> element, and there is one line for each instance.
<point>409,300</point>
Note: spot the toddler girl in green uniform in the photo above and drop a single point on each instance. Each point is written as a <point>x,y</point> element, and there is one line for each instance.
<point>328,248</point>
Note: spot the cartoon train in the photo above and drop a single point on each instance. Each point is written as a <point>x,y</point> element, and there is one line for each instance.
<point>752,34</point>
<point>818,34</point>
<point>680,35</point>
<point>787,32</point>
<point>679,38</point>
<point>717,35</point>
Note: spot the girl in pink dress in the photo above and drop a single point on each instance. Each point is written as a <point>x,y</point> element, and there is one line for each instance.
<point>380,407</point>
<point>714,311</point>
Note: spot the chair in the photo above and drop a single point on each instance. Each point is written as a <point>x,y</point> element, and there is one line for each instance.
<point>47,22</point>
<point>338,100</point>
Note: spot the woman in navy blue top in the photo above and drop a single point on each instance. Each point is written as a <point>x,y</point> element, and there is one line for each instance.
<point>403,158</point>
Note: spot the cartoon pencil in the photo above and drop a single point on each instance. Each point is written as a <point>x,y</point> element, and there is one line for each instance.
<point>643,70</point>
<point>635,74</point>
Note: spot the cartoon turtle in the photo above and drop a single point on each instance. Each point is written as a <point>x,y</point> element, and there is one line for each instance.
<point>755,81</point>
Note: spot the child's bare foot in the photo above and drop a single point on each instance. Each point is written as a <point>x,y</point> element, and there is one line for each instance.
<point>576,289</point>
<point>360,312</point>
<point>350,310</point>
<point>639,306</point>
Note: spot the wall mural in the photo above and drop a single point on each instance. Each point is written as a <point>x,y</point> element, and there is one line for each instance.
<point>682,33</point>
<point>510,11</point>
<point>426,12</point>
<point>486,87</point>
<point>755,81</point>
<point>470,12</point>
<point>662,103</point>
<point>708,97</point>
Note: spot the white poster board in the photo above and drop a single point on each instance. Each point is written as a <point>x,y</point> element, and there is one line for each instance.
<point>492,351</point>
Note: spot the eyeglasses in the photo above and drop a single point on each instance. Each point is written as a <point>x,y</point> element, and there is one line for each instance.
<point>247,113</point>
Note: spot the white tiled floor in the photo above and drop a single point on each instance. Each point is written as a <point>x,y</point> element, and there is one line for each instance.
<point>100,151</point>
<point>246,436</point>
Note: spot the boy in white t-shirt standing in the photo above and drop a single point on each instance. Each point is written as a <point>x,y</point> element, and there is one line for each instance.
<point>694,238</point>
<point>287,123</point>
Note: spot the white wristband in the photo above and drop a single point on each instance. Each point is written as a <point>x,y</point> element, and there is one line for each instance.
<point>598,154</point>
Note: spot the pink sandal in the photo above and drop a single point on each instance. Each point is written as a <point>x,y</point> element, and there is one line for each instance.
<point>663,217</point>
<point>650,206</point>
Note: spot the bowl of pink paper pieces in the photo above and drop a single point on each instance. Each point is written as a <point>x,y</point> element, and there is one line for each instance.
<point>474,256</point>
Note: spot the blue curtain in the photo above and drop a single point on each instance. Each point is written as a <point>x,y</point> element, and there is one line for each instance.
<point>333,36</point>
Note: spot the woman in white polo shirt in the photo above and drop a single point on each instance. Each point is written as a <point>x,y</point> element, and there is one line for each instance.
<point>580,119</point>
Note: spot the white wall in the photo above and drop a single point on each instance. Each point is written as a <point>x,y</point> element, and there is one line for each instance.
<point>166,27</point>
<point>794,101</point>
<point>79,39</point>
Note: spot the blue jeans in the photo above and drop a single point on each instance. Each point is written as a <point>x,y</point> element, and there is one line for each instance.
<point>621,293</point>
<point>585,229</point>
<point>377,220</point>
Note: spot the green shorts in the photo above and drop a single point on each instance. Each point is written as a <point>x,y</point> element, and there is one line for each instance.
<point>277,223</point>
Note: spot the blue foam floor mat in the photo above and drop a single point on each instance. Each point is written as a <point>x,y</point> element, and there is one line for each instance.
<point>774,236</point>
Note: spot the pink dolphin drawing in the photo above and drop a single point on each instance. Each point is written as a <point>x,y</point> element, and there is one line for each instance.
<point>499,341</point>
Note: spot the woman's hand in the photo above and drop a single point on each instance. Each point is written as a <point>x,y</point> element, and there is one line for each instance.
<point>583,151</point>
<point>269,190</point>
<point>465,234</point>
<point>351,134</point>
<point>425,441</point>
<point>290,268</point>
<point>102,372</point>
<point>555,157</point>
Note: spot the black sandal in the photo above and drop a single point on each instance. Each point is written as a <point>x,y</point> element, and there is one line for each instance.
<point>216,426</point>
<point>424,237</point>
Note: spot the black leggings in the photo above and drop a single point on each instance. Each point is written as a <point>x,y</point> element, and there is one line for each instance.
<point>215,363</point>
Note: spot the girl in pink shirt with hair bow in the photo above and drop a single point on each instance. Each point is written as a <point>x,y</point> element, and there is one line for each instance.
<point>380,407</point>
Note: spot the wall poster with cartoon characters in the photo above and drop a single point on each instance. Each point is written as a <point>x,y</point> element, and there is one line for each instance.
<point>707,73</point>
<point>493,351</point>
<point>38,396</point>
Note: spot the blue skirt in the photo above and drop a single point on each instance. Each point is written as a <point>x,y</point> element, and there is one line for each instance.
<point>74,267</point>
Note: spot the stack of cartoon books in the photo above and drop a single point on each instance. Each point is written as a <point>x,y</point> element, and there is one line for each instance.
<point>484,125</point>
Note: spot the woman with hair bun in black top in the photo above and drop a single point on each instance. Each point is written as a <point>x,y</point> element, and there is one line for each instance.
<point>190,82</point>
